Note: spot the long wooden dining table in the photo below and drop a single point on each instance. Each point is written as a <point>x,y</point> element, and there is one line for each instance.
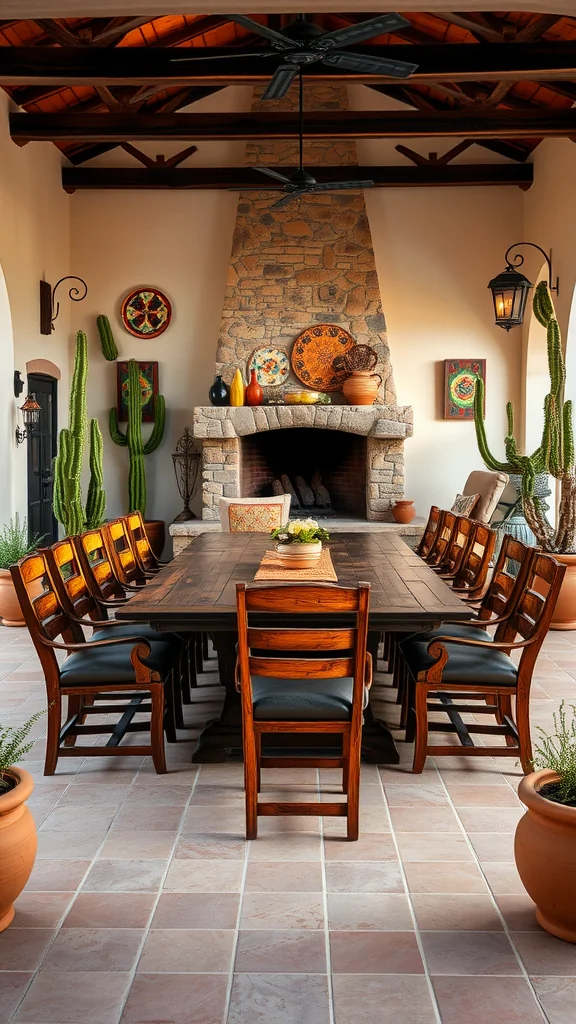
<point>197,593</point>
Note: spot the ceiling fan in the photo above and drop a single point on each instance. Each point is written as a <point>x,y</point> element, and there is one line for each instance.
<point>304,43</point>
<point>301,182</point>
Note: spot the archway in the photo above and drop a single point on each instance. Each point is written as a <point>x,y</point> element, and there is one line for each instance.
<point>7,404</point>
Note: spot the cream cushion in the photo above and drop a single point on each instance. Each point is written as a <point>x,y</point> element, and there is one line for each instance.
<point>490,486</point>
<point>224,504</point>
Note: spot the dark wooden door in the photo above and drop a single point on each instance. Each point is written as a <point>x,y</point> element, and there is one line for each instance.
<point>41,451</point>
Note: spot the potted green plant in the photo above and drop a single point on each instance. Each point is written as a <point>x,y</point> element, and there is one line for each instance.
<point>554,456</point>
<point>545,843</point>
<point>14,544</point>
<point>18,840</point>
<point>299,543</point>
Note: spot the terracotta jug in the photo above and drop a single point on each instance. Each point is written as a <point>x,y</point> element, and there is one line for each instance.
<point>404,511</point>
<point>254,393</point>
<point>237,389</point>
<point>361,387</point>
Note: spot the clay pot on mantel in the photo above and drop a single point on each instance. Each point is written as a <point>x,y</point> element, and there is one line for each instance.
<point>18,842</point>
<point>361,387</point>
<point>254,394</point>
<point>403,511</point>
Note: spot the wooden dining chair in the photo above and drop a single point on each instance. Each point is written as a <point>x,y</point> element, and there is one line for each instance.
<point>447,670</point>
<point>122,556</point>
<point>302,679</point>
<point>145,557</point>
<point>470,581</point>
<point>442,539</point>
<point>121,676</point>
<point>429,534</point>
<point>458,544</point>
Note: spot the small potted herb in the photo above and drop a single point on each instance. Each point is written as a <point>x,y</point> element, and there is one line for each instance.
<point>300,543</point>
<point>545,843</point>
<point>14,544</point>
<point>18,840</point>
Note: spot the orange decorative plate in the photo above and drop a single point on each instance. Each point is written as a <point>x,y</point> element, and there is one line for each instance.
<point>314,353</point>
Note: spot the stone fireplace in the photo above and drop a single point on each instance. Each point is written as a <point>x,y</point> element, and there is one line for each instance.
<point>311,261</point>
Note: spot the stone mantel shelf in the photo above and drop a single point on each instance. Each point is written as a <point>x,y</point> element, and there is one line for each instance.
<point>379,421</point>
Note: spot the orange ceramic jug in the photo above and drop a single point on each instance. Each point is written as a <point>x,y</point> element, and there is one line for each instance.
<point>361,387</point>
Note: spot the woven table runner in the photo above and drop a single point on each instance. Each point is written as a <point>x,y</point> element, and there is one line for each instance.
<point>272,569</point>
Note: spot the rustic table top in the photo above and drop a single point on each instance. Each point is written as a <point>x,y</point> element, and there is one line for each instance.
<point>197,590</point>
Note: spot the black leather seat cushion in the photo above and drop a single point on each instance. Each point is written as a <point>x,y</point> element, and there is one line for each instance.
<point>460,629</point>
<point>138,629</point>
<point>111,664</point>
<point>302,700</point>
<point>468,665</point>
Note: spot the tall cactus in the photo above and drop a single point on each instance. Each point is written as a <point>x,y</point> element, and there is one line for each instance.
<point>67,500</point>
<point>555,453</point>
<point>109,350</point>
<point>132,439</point>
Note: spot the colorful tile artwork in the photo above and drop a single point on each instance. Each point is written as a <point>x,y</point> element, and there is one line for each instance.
<point>148,385</point>
<point>460,376</point>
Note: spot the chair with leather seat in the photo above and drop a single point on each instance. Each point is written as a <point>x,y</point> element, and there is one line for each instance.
<point>121,553</point>
<point>447,669</point>
<point>122,676</point>
<point>141,546</point>
<point>296,678</point>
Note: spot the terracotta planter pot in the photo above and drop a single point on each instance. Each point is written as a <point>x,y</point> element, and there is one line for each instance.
<point>299,556</point>
<point>404,511</point>
<point>17,843</point>
<point>156,530</point>
<point>545,851</point>
<point>564,616</point>
<point>10,611</point>
<point>361,387</point>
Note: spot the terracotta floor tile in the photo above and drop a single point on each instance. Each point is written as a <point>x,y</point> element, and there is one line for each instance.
<point>94,949</point>
<point>197,910</point>
<point>280,824</point>
<point>444,877</point>
<point>558,997</point>
<point>282,910</point>
<point>110,910</point>
<point>368,912</point>
<point>457,913</point>
<point>503,879</point>
<point>283,876</point>
<point>121,845</point>
<point>281,952</point>
<point>424,819</point>
<point>383,999</point>
<point>426,846</point>
<point>298,846</point>
<point>207,876</point>
<point>177,998</point>
<point>498,819</point>
<point>542,953</point>
<point>493,847</point>
<point>82,794</point>
<point>476,1000</point>
<point>125,876</point>
<point>471,775</point>
<point>180,950</point>
<point>68,845</point>
<point>367,847</point>
<point>364,876</point>
<point>519,912</point>
<point>13,985</point>
<point>456,953</point>
<point>144,819</point>
<point>231,795</point>
<point>82,820</point>
<point>372,820</point>
<point>372,952</point>
<point>41,909</point>
<point>215,819</point>
<point>57,876</point>
<point>210,846</point>
<point>279,999</point>
<point>74,998</point>
<point>489,796</point>
<point>402,794</point>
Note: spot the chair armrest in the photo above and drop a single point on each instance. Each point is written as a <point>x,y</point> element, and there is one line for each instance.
<point>489,645</point>
<point>97,643</point>
<point>368,673</point>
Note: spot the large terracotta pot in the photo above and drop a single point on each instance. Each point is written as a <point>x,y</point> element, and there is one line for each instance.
<point>564,616</point>
<point>299,556</point>
<point>10,610</point>
<point>18,843</point>
<point>403,511</point>
<point>156,530</point>
<point>545,851</point>
<point>361,387</point>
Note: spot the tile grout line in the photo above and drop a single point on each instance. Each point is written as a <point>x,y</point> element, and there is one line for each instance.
<point>228,999</point>
<point>329,978</point>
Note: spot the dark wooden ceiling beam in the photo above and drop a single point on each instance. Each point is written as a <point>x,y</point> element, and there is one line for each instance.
<point>481,123</point>
<point>143,65</point>
<point>191,178</point>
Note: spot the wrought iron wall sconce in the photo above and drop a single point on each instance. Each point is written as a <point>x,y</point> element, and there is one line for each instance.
<point>31,417</point>
<point>49,308</point>
<point>18,384</point>
<point>186,461</point>
<point>510,288</point>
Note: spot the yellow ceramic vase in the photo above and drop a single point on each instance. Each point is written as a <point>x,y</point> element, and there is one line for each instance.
<point>237,389</point>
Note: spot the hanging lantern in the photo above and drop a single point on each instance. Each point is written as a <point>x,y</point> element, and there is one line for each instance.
<point>30,416</point>
<point>509,294</point>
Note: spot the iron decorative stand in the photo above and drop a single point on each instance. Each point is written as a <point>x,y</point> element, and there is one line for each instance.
<point>186,461</point>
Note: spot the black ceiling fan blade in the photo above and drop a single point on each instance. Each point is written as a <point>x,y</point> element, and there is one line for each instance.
<point>363,30</point>
<point>273,174</point>
<point>286,199</point>
<point>279,40</point>
<point>220,56</point>
<point>364,64</point>
<point>336,186</point>
<point>280,82</point>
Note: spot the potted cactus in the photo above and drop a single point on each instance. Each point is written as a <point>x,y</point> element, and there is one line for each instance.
<point>68,507</point>
<point>138,449</point>
<point>554,456</point>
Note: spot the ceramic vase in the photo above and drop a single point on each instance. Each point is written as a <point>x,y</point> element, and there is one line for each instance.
<point>254,392</point>
<point>237,389</point>
<point>361,387</point>
<point>18,842</point>
<point>10,611</point>
<point>299,556</point>
<point>403,511</point>
<point>219,393</point>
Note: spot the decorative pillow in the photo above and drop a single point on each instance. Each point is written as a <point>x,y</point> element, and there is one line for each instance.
<point>255,518</point>
<point>464,504</point>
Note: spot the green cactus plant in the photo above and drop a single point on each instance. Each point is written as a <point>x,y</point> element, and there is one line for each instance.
<point>109,350</point>
<point>555,453</point>
<point>67,501</point>
<point>132,439</point>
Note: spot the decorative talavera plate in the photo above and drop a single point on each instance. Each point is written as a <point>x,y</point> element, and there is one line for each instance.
<point>271,364</point>
<point>316,356</point>
<point>146,312</point>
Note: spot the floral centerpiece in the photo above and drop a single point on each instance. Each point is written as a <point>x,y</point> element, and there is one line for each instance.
<point>300,543</point>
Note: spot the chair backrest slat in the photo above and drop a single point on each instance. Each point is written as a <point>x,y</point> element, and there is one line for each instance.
<point>301,639</point>
<point>304,597</point>
<point>429,534</point>
<point>302,668</point>
<point>69,580</point>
